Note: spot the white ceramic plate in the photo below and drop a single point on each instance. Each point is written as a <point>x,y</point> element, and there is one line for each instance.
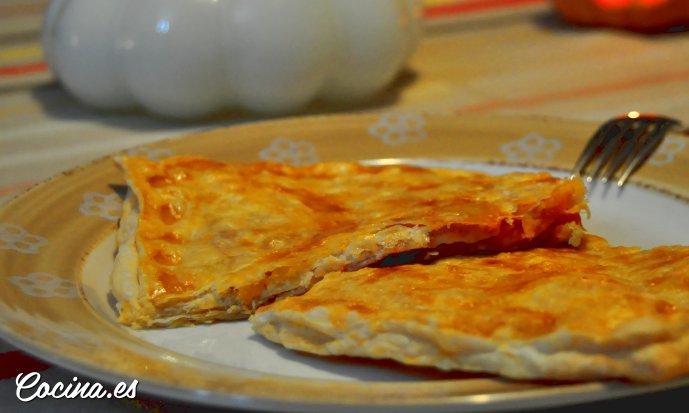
<point>57,244</point>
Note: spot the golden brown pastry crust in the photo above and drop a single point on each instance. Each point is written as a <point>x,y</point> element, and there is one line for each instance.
<point>203,240</point>
<point>547,313</point>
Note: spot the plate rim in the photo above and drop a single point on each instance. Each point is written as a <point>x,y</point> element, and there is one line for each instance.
<point>593,390</point>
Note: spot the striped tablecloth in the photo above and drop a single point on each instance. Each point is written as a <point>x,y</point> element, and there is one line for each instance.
<point>507,57</point>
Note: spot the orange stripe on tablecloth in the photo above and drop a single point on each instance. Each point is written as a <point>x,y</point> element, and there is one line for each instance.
<point>14,362</point>
<point>464,7</point>
<point>5,190</point>
<point>598,89</point>
<point>18,70</point>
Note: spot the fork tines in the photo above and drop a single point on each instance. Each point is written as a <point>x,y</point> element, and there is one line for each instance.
<point>622,144</point>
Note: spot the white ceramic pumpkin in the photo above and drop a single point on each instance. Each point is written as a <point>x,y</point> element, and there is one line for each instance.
<point>192,58</point>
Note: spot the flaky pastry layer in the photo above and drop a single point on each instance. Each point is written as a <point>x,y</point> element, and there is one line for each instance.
<point>547,313</point>
<point>202,240</point>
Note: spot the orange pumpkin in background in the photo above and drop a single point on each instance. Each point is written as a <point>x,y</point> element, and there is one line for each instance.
<point>637,15</point>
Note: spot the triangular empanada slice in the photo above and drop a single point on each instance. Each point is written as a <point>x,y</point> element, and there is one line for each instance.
<point>583,313</point>
<point>202,240</point>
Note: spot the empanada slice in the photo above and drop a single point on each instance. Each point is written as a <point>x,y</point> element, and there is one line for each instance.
<point>548,313</point>
<point>203,240</point>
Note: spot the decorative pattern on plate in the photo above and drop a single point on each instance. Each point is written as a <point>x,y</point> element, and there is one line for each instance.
<point>108,206</point>
<point>665,154</point>
<point>531,148</point>
<point>153,154</point>
<point>45,285</point>
<point>60,334</point>
<point>14,237</point>
<point>397,128</point>
<point>291,152</point>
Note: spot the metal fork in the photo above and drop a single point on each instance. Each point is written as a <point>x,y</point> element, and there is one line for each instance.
<point>622,144</point>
